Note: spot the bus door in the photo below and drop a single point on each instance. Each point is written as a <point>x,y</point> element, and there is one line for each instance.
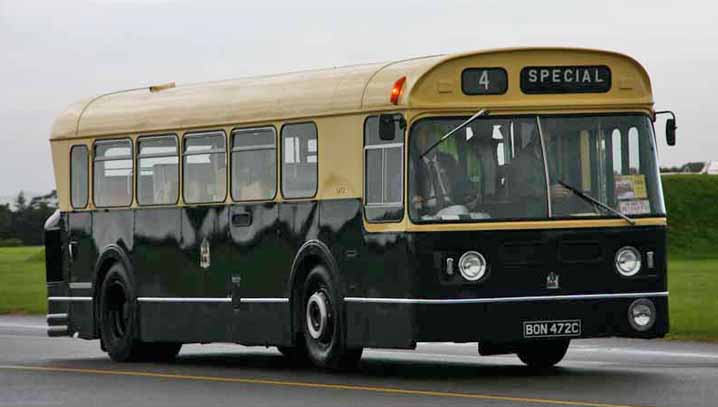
<point>259,263</point>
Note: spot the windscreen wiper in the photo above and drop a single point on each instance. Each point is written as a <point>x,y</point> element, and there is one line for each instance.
<point>454,131</point>
<point>596,202</point>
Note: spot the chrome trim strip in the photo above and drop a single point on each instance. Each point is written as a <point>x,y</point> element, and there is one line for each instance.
<point>251,300</point>
<point>69,298</point>
<point>55,316</point>
<point>81,286</point>
<point>204,299</point>
<point>183,299</point>
<point>57,328</point>
<point>504,299</point>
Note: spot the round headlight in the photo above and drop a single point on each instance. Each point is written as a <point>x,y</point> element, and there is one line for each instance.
<point>642,314</point>
<point>472,266</point>
<point>628,261</point>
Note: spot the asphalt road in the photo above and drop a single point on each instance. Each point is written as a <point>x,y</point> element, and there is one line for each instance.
<point>39,371</point>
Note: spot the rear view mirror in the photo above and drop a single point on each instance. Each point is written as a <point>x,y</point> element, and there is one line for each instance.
<point>671,132</point>
<point>670,127</point>
<point>386,127</point>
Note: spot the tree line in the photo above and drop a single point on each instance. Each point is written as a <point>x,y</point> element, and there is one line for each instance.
<point>23,223</point>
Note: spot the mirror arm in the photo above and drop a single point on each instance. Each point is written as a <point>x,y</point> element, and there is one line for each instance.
<point>673,115</point>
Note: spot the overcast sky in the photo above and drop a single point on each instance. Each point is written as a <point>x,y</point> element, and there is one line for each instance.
<point>56,52</point>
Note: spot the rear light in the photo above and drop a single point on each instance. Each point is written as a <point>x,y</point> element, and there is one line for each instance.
<point>397,90</point>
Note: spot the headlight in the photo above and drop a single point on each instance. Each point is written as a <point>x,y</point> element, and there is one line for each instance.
<point>472,266</point>
<point>628,261</point>
<point>642,314</point>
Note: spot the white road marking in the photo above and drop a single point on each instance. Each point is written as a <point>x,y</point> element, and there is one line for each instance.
<point>23,326</point>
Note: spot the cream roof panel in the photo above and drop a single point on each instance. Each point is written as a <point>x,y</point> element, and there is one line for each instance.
<point>305,94</point>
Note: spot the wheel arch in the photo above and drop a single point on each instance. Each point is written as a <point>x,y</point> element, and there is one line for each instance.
<point>109,255</point>
<point>310,254</point>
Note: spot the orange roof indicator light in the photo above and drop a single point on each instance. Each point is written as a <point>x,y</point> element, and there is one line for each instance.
<point>397,90</point>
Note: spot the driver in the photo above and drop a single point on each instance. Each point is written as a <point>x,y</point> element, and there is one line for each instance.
<point>435,174</point>
<point>528,177</point>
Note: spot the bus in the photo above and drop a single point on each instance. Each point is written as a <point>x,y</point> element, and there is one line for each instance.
<point>509,198</point>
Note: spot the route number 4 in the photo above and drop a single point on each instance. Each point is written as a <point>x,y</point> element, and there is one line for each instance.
<point>484,80</point>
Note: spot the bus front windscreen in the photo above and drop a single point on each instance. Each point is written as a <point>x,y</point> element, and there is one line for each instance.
<point>534,167</point>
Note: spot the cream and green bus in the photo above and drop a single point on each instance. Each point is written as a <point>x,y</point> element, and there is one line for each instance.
<point>507,197</point>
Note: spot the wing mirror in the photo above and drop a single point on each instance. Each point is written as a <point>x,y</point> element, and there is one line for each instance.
<point>670,127</point>
<point>671,132</point>
<point>388,123</point>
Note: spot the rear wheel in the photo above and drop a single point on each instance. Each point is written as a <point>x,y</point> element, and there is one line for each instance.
<point>118,323</point>
<point>323,323</point>
<point>543,354</point>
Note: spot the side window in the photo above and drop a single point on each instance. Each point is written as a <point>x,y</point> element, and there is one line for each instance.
<point>79,178</point>
<point>205,167</point>
<point>254,164</point>
<point>112,170</point>
<point>158,175</point>
<point>383,173</point>
<point>299,164</point>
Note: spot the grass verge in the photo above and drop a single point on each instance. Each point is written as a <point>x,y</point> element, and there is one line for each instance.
<point>693,303</point>
<point>22,280</point>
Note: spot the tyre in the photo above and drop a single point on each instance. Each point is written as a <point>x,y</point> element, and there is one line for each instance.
<point>323,323</point>
<point>296,354</point>
<point>543,354</point>
<point>118,322</point>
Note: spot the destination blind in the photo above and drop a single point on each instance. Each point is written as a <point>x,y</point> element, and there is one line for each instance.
<point>565,79</point>
<point>484,81</point>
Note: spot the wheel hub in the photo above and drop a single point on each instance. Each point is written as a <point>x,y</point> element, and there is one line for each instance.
<point>317,315</point>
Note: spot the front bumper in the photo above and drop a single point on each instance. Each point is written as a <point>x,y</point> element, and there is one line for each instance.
<point>403,322</point>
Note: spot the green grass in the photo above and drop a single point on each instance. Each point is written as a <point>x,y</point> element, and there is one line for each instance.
<point>693,301</point>
<point>692,206</point>
<point>22,280</point>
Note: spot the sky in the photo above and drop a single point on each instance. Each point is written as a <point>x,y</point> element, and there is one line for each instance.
<point>53,53</point>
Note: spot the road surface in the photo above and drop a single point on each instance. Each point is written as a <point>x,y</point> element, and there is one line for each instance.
<point>39,371</point>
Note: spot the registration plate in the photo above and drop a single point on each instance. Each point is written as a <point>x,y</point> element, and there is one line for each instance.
<point>547,329</point>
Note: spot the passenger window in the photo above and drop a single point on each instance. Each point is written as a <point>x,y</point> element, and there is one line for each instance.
<point>158,177</point>
<point>113,166</point>
<point>383,173</point>
<point>78,176</point>
<point>254,164</point>
<point>205,167</point>
<point>299,166</point>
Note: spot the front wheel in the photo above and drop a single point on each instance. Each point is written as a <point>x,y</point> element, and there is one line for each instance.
<point>544,354</point>
<point>323,323</point>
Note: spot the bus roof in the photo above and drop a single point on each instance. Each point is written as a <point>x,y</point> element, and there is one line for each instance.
<point>431,82</point>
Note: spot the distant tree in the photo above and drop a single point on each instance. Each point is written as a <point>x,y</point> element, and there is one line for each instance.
<point>5,221</point>
<point>28,219</point>
<point>20,202</point>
